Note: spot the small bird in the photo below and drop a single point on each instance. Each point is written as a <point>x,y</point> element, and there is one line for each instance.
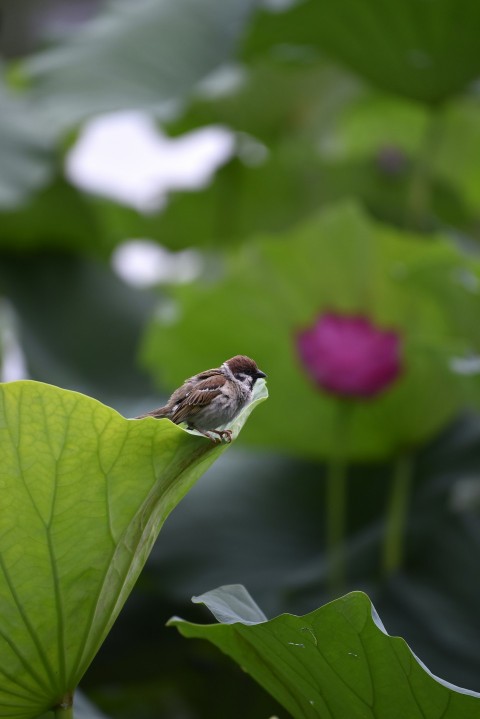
<point>212,398</point>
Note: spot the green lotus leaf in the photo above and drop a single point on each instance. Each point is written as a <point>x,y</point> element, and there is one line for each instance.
<point>424,51</point>
<point>84,494</point>
<point>335,662</point>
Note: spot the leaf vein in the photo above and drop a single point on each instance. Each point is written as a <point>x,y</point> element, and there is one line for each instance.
<point>27,623</point>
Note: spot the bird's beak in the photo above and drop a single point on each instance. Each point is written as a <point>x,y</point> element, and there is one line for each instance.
<point>260,373</point>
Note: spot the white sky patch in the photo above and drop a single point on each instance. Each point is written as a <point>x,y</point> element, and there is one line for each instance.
<point>144,263</point>
<point>125,157</point>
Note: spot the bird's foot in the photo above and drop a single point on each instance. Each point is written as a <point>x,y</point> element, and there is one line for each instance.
<point>224,435</point>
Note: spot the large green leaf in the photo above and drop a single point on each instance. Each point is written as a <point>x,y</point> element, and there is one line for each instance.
<point>333,663</point>
<point>342,261</point>
<point>423,50</point>
<point>140,54</point>
<point>85,493</point>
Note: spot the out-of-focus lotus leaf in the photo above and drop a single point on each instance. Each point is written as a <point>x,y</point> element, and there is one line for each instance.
<point>340,260</point>
<point>423,50</point>
<point>140,55</point>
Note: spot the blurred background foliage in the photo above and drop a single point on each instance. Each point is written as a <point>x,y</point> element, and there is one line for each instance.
<point>351,182</point>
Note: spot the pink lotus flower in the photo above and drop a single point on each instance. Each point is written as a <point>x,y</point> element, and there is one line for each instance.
<point>349,356</point>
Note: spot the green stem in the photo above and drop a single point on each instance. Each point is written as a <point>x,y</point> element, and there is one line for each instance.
<point>63,712</point>
<point>64,709</point>
<point>336,493</point>
<point>419,200</point>
<point>394,541</point>
<point>336,503</point>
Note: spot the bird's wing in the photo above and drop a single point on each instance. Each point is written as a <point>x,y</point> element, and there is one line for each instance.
<point>197,394</point>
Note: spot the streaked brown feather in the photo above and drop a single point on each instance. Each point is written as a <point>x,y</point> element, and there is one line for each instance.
<point>196,395</point>
<point>206,375</point>
<point>185,413</point>
<point>204,404</point>
<point>206,389</point>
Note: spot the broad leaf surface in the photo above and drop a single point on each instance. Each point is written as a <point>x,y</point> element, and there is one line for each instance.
<point>140,54</point>
<point>423,50</point>
<point>85,493</point>
<point>339,260</point>
<point>335,662</point>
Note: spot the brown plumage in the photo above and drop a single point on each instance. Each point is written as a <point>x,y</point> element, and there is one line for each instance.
<point>213,398</point>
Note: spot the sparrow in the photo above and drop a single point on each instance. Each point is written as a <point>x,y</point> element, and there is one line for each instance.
<point>212,398</point>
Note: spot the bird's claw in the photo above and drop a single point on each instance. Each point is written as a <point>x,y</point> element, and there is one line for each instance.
<point>224,435</point>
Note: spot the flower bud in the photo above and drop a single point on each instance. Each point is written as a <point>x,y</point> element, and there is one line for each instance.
<point>392,161</point>
<point>349,356</point>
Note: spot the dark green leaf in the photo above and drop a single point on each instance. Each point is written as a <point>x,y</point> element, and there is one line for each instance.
<point>335,662</point>
<point>424,50</point>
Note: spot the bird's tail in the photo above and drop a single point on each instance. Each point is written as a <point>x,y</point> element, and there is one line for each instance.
<point>158,413</point>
